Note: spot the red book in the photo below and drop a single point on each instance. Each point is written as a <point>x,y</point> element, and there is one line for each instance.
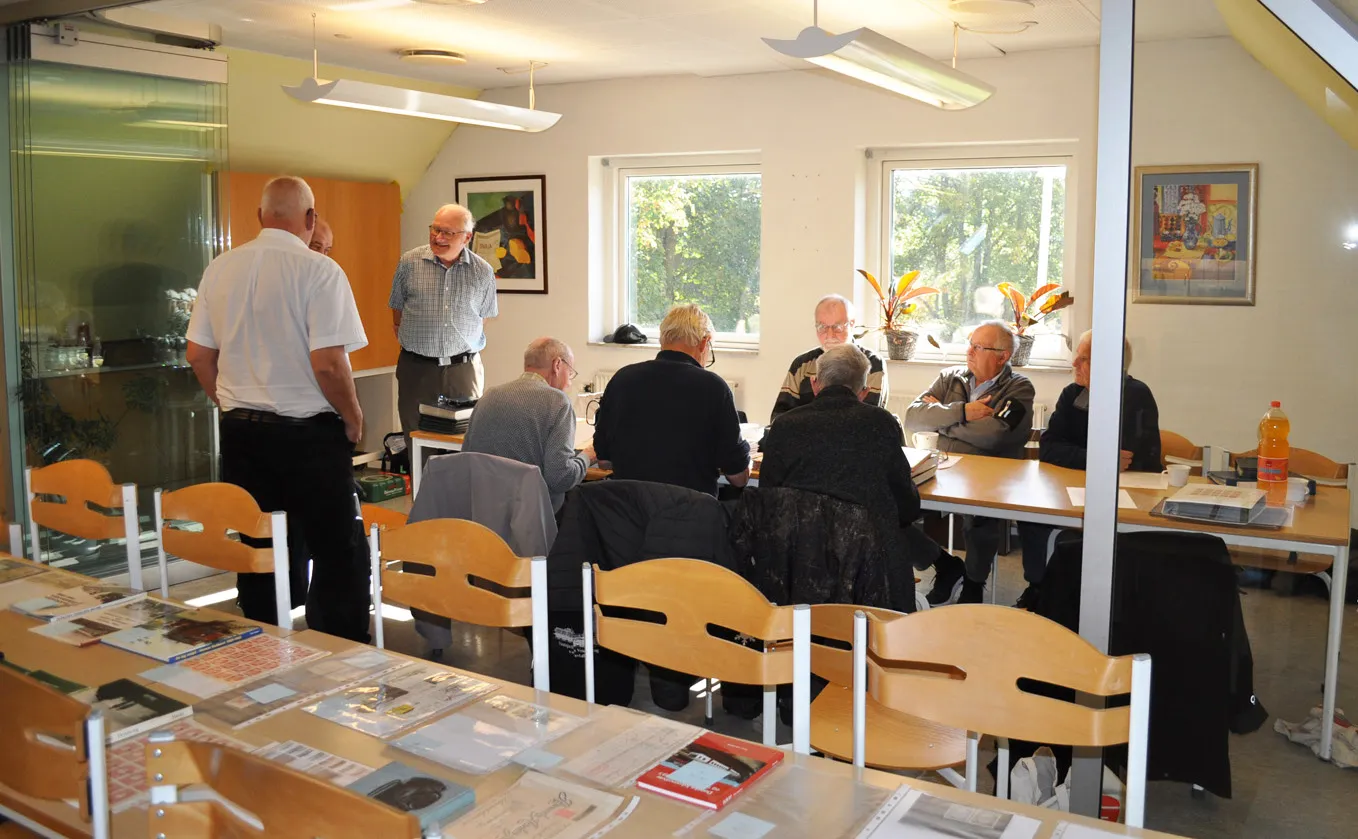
<point>711,770</point>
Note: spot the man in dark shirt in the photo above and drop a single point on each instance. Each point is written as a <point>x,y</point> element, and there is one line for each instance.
<point>1066,440</point>
<point>670,421</point>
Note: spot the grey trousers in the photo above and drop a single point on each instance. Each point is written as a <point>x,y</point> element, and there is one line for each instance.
<point>981,537</point>
<point>420,380</point>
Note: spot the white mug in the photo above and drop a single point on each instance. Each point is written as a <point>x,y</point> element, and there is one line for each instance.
<point>1178,474</point>
<point>1296,490</point>
<point>927,440</point>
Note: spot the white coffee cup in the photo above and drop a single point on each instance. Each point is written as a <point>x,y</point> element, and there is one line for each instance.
<point>1296,490</point>
<point>927,440</point>
<point>1178,474</point>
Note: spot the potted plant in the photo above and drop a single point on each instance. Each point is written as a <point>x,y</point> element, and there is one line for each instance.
<point>1030,311</point>
<point>896,310</point>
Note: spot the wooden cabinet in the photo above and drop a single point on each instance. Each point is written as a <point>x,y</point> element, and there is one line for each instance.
<point>366,219</point>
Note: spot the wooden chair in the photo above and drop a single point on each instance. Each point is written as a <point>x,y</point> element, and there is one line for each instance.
<point>694,595</point>
<point>208,790</point>
<point>80,483</point>
<point>981,642</point>
<point>53,749</point>
<point>1176,448</point>
<point>461,552</point>
<point>899,741</point>
<point>222,509</point>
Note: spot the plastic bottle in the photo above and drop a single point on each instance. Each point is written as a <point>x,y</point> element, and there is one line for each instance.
<point>1273,451</point>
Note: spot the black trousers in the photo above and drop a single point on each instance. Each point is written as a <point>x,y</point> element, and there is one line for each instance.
<point>305,470</point>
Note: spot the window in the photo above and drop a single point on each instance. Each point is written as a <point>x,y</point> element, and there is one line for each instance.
<point>689,233</point>
<point>971,226</point>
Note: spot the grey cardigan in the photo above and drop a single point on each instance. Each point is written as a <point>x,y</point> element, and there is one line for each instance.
<point>990,436</point>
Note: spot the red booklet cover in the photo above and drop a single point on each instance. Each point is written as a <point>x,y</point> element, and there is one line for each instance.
<point>711,770</point>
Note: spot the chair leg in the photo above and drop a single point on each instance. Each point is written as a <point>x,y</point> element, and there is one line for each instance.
<point>707,711</point>
<point>770,716</point>
<point>973,759</point>
<point>375,556</point>
<point>1002,768</point>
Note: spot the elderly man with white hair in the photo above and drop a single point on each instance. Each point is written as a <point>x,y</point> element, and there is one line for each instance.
<point>834,327</point>
<point>269,341</point>
<point>982,408</point>
<point>441,296</point>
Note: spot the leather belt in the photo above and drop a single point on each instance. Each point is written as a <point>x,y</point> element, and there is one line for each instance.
<point>460,358</point>
<point>250,415</point>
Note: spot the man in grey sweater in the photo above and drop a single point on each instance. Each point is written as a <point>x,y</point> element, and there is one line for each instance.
<point>531,419</point>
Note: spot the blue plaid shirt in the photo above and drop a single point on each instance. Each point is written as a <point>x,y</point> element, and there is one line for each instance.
<point>441,308</point>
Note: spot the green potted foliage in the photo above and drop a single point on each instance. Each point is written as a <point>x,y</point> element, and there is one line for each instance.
<point>897,309</point>
<point>1030,311</point>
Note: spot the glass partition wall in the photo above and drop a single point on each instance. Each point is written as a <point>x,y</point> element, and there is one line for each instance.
<point>114,212</point>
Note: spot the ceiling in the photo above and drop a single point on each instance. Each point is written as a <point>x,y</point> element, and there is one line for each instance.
<point>585,40</point>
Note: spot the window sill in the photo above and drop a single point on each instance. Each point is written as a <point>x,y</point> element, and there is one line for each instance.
<point>655,348</point>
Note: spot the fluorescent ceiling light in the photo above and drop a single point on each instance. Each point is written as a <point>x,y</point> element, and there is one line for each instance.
<point>878,60</point>
<point>416,103</point>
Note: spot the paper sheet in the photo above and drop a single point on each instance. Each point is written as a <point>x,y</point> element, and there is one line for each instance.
<point>538,807</point>
<point>186,680</point>
<point>1143,480</point>
<point>794,802</point>
<point>332,768</point>
<point>918,815</point>
<point>1077,498</point>
<point>617,761</point>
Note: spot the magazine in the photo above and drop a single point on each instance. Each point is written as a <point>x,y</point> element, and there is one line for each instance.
<point>76,601</point>
<point>127,761</point>
<point>383,706</point>
<point>433,800</point>
<point>540,807</point>
<point>330,768</point>
<point>220,670</point>
<point>131,709</point>
<point>183,635</point>
<point>711,770</point>
<point>488,735</point>
<point>89,629</point>
<point>268,695</point>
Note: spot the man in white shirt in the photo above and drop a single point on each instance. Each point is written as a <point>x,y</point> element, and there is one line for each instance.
<point>269,341</point>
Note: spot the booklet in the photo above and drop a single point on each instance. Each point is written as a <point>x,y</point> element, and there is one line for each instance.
<point>18,569</point>
<point>268,695</point>
<point>220,670</point>
<point>434,801</point>
<point>711,770</point>
<point>794,802</point>
<point>914,814</point>
<point>76,601</point>
<point>331,768</point>
<point>36,585</point>
<point>127,761</point>
<point>540,807</point>
<point>486,736</point>
<point>383,706</point>
<point>131,709</point>
<point>91,628</point>
<point>183,635</point>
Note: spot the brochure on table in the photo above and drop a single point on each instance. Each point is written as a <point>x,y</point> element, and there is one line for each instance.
<point>130,709</point>
<point>394,701</point>
<point>272,694</point>
<point>914,814</point>
<point>619,760</point>
<point>488,735</point>
<point>540,807</point>
<point>89,629</point>
<point>433,800</point>
<point>793,802</point>
<point>220,670</point>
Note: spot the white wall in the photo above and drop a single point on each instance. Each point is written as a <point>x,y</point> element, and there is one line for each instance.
<point>1201,100</point>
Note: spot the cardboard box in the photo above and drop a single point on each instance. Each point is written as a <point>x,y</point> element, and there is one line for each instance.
<point>383,487</point>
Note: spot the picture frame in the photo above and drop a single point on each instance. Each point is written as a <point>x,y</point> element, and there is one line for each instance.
<point>1193,233</point>
<point>511,228</point>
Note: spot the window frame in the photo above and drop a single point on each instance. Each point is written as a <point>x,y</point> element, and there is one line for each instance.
<point>618,169</point>
<point>885,162</point>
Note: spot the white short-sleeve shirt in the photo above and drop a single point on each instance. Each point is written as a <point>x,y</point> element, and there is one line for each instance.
<point>265,307</point>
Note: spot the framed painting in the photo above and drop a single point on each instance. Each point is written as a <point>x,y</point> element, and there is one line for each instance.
<point>511,232</point>
<point>1193,232</point>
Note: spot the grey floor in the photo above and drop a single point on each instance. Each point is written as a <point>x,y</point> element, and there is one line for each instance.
<point>1281,790</point>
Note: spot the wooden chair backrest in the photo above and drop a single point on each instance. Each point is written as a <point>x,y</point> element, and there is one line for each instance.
<point>457,550</point>
<point>995,647</point>
<point>1307,463</point>
<point>219,508</point>
<point>289,803</point>
<point>1177,445</point>
<point>834,621</point>
<point>31,764</point>
<point>384,518</point>
<point>693,595</point>
<point>80,483</point>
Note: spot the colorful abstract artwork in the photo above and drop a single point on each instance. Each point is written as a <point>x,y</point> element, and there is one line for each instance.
<point>510,230</point>
<point>1194,234</point>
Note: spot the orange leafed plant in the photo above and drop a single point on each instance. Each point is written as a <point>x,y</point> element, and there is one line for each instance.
<point>895,299</point>
<point>1029,311</point>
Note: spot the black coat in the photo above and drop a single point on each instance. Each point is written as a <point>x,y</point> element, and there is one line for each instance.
<point>1067,435</point>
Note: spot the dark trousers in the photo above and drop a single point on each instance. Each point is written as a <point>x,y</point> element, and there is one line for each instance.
<point>421,381</point>
<point>305,470</point>
<point>1035,540</point>
<point>981,536</point>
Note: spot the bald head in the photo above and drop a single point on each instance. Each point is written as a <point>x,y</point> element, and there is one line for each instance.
<point>322,238</point>
<point>288,204</point>
<point>450,231</point>
<point>551,359</point>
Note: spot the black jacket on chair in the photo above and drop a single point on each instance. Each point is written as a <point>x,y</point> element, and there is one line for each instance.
<point>1175,597</point>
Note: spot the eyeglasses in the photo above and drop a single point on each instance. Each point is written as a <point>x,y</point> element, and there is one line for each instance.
<point>573,373</point>
<point>316,246</point>
<point>825,328</point>
<point>979,348</point>
<point>445,233</point>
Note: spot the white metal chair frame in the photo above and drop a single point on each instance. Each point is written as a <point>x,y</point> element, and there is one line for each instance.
<point>801,671</point>
<point>131,529</point>
<point>537,571</point>
<point>1137,745</point>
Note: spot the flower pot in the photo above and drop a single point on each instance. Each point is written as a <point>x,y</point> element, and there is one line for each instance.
<point>1025,348</point>
<point>900,345</point>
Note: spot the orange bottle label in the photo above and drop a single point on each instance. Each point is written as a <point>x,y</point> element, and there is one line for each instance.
<point>1272,469</point>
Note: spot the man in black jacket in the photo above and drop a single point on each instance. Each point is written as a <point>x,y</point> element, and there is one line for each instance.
<point>1066,439</point>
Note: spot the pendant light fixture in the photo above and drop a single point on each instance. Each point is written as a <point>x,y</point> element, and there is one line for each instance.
<point>878,60</point>
<point>366,96</point>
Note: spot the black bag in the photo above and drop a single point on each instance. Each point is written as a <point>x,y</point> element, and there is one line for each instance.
<point>395,456</point>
